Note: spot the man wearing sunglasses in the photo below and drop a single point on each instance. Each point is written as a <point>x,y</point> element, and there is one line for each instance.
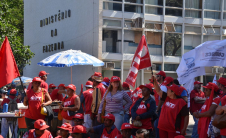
<point>43,76</point>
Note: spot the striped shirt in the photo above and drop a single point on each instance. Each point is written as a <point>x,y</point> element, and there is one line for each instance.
<point>114,103</point>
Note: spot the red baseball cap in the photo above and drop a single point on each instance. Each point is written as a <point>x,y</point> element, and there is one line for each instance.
<point>42,73</point>
<point>79,129</point>
<point>79,116</point>
<point>125,84</point>
<point>110,116</point>
<point>13,91</point>
<point>40,124</point>
<point>115,78</point>
<point>126,126</point>
<point>52,85</point>
<point>167,80</point>
<point>222,81</point>
<point>37,79</point>
<point>89,84</point>
<point>97,76</point>
<point>211,86</point>
<point>149,86</point>
<point>175,89</point>
<point>197,82</point>
<point>106,79</point>
<point>161,73</point>
<point>71,86</point>
<point>66,126</point>
<point>62,85</point>
<point>182,89</point>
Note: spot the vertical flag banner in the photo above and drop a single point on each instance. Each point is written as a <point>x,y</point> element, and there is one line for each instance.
<point>140,61</point>
<point>8,67</point>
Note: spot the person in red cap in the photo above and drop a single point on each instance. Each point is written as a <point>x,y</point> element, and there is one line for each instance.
<point>36,98</point>
<point>197,98</point>
<point>40,130</point>
<point>144,109</point>
<point>43,75</point>
<point>221,83</point>
<point>173,110</point>
<point>12,105</point>
<point>79,131</point>
<point>65,131</point>
<point>78,119</point>
<point>106,82</point>
<point>97,95</point>
<point>208,109</point>
<point>114,101</point>
<point>106,130</point>
<point>86,100</point>
<point>51,88</point>
<point>70,104</point>
<point>126,130</point>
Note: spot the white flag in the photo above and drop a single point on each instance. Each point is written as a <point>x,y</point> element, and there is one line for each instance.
<point>215,79</point>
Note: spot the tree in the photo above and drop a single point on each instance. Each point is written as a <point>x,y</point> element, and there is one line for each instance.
<point>172,44</point>
<point>12,26</point>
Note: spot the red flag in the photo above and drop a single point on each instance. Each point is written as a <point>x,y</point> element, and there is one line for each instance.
<point>140,61</point>
<point>8,67</point>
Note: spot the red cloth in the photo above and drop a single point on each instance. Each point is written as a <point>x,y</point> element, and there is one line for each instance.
<point>45,135</point>
<point>146,123</point>
<point>43,85</point>
<point>223,103</point>
<point>196,106</point>
<point>67,102</point>
<point>88,95</point>
<point>102,89</point>
<point>170,109</point>
<point>56,96</point>
<point>62,137</point>
<point>156,97</point>
<point>34,104</point>
<point>6,100</point>
<point>8,67</point>
<point>113,133</point>
<point>120,136</point>
<point>166,134</point>
<point>136,94</point>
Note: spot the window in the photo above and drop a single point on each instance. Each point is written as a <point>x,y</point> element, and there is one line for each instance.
<point>133,8</point>
<point>112,6</point>
<point>170,67</point>
<point>195,4</point>
<point>170,27</point>
<point>192,30</point>
<point>224,16</point>
<point>156,66</point>
<point>210,38</point>
<point>212,4</point>
<point>153,10</point>
<point>154,42</point>
<point>174,12</point>
<point>135,1</point>
<point>211,30</point>
<point>174,3</point>
<point>172,44</point>
<point>191,41</point>
<point>135,23</point>
<point>154,26</point>
<point>154,2</point>
<point>111,41</point>
<point>107,22</point>
<point>193,13</point>
<point>212,15</point>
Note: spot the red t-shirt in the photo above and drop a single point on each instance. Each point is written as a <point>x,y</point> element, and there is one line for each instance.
<point>31,134</point>
<point>56,96</point>
<point>34,104</point>
<point>170,109</point>
<point>113,133</point>
<point>43,85</point>
<point>102,89</point>
<point>120,136</point>
<point>88,95</point>
<point>6,100</point>
<point>196,106</point>
<point>67,101</point>
<point>223,103</point>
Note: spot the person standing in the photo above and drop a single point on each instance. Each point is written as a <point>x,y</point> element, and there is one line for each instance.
<point>114,101</point>
<point>51,88</point>
<point>43,75</point>
<point>106,82</point>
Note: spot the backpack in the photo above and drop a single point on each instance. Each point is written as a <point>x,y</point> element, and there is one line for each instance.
<point>12,106</point>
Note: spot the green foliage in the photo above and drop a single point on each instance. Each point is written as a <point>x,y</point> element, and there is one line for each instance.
<point>172,44</point>
<point>12,26</point>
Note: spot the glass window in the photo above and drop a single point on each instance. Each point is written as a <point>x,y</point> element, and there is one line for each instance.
<point>153,10</point>
<point>157,67</point>
<point>191,41</point>
<point>223,37</point>
<point>174,12</point>
<point>153,26</point>
<point>174,3</point>
<point>212,15</point>
<point>173,27</point>
<point>192,13</point>
<point>211,30</point>
<point>170,67</point>
<point>114,0</point>
<point>133,8</point>
<point>136,23</point>
<point>107,22</point>
<point>196,4</point>
<point>224,31</point>
<point>224,15</point>
<point>172,44</point>
<point>225,5</point>
<point>210,38</point>
<point>212,4</point>
<point>135,1</point>
<point>112,6</point>
<point>154,2</point>
<point>154,41</point>
<point>192,30</point>
<point>111,41</point>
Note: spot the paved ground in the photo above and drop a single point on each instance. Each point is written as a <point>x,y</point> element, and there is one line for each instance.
<point>190,127</point>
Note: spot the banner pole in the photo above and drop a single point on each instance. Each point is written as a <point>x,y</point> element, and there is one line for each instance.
<point>22,84</point>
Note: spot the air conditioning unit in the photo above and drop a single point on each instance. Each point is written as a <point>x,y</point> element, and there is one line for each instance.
<point>217,70</point>
<point>137,23</point>
<point>109,65</point>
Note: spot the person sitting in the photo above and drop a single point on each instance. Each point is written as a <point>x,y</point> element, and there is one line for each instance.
<point>79,131</point>
<point>108,129</point>
<point>126,130</point>
<point>142,133</point>
<point>65,131</point>
<point>40,130</point>
<point>78,119</point>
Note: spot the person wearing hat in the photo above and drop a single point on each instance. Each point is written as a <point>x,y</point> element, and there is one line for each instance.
<point>114,97</point>
<point>12,86</point>
<point>65,131</point>
<point>86,100</point>
<point>79,131</point>
<point>208,109</point>
<point>40,130</point>
<point>108,129</point>
<point>174,108</point>
<point>51,88</point>
<point>126,130</point>
<point>144,109</point>
<point>127,89</point>
<point>221,83</point>
<point>43,75</point>
<point>106,82</point>
<point>35,99</point>
<point>197,99</point>
<point>70,104</point>
<point>78,119</point>
<point>5,124</point>
<point>97,95</point>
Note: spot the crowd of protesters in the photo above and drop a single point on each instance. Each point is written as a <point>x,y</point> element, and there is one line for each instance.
<point>108,108</point>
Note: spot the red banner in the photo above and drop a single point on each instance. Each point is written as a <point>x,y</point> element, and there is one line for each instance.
<point>140,61</point>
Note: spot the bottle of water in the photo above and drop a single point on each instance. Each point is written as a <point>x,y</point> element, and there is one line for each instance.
<point>5,108</point>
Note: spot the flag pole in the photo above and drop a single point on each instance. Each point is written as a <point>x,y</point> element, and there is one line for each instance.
<point>22,85</point>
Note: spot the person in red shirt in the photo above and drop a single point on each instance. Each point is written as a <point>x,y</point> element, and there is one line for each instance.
<point>71,102</point>
<point>86,101</point>
<point>126,130</point>
<point>36,98</point>
<point>173,111</point>
<point>43,75</point>
<point>208,109</point>
<point>40,130</point>
<point>79,131</point>
<point>51,88</point>
<point>65,131</point>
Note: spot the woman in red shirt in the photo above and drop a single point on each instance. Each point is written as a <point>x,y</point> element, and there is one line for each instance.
<point>208,109</point>
<point>36,98</point>
<point>70,104</point>
<point>174,115</point>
